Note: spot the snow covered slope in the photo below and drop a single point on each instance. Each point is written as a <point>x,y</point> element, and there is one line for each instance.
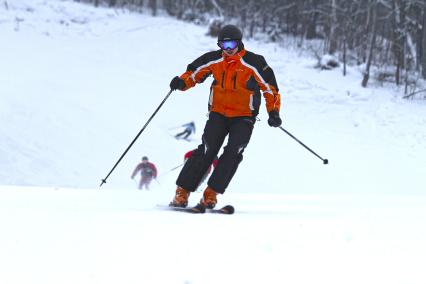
<point>108,236</point>
<point>77,84</point>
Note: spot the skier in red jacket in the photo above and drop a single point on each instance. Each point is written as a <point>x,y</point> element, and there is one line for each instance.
<point>148,172</point>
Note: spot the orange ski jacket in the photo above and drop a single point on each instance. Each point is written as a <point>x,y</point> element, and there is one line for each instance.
<point>237,81</point>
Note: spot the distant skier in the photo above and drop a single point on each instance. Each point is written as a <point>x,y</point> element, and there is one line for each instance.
<point>189,129</point>
<point>233,104</point>
<point>214,164</point>
<point>148,172</point>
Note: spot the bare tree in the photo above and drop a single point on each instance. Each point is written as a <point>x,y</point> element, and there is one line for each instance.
<point>398,39</point>
<point>423,43</point>
<point>153,6</point>
<point>312,19</point>
<point>372,43</point>
<point>333,28</point>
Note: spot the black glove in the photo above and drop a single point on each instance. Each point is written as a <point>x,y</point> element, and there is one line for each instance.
<point>177,84</point>
<point>274,119</point>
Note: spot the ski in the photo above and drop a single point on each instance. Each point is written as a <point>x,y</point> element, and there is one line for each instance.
<point>228,210</point>
<point>199,209</point>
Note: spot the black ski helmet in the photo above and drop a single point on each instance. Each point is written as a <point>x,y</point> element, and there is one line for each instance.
<point>144,158</point>
<point>230,32</point>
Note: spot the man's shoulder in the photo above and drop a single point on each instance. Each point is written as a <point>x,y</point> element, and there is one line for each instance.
<point>212,55</point>
<point>253,58</point>
<point>251,54</point>
<point>256,60</point>
<point>188,154</point>
<point>204,59</point>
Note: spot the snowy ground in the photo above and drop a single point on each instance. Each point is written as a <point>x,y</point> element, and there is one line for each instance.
<point>91,236</point>
<point>78,83</point>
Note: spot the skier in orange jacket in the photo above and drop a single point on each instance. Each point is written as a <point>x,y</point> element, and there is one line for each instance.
<point>235,95</point>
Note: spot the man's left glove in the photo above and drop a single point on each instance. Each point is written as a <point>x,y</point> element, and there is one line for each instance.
<point>177,83</point>
<point>274,119</point>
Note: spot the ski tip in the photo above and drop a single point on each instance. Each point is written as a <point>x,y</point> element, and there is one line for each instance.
<point>228,209</point>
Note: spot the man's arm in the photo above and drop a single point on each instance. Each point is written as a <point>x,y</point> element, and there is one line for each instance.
<point>199,69</point>
<point>136,170</point>
<point>265,78</point>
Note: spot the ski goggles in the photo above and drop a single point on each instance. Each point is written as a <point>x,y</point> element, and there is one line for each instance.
<point>227,44</point>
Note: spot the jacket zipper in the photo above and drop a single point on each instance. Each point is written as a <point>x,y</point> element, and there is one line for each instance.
<point>235,81</point>
<point>223,79</point>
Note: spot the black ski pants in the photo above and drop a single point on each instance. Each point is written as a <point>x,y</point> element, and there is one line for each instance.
<point>238,130</point>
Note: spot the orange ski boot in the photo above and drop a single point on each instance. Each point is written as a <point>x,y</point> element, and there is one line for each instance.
<point>209,198</point>
<point>181,198</point>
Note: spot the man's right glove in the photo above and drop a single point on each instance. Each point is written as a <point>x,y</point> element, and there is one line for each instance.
<point>177,83</point>
<point>274,119</point>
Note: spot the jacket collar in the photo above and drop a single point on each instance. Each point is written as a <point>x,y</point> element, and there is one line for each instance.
<point>236,56</point>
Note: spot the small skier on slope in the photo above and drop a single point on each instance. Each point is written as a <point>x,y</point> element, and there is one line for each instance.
<point>148,172</point>
<point>189,129</point>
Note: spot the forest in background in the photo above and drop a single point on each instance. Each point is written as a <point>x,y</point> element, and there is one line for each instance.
<point>385,37</point>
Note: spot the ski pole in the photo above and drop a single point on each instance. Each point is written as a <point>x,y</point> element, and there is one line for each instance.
<point>137,136</point>
<point>136,183</point>
<point>325,161</point>
<point>171,170</point>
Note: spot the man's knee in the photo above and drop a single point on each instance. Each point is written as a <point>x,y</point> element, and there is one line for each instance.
<point>195,168</point>
<point>234,150</point>
<point>225,170</point>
